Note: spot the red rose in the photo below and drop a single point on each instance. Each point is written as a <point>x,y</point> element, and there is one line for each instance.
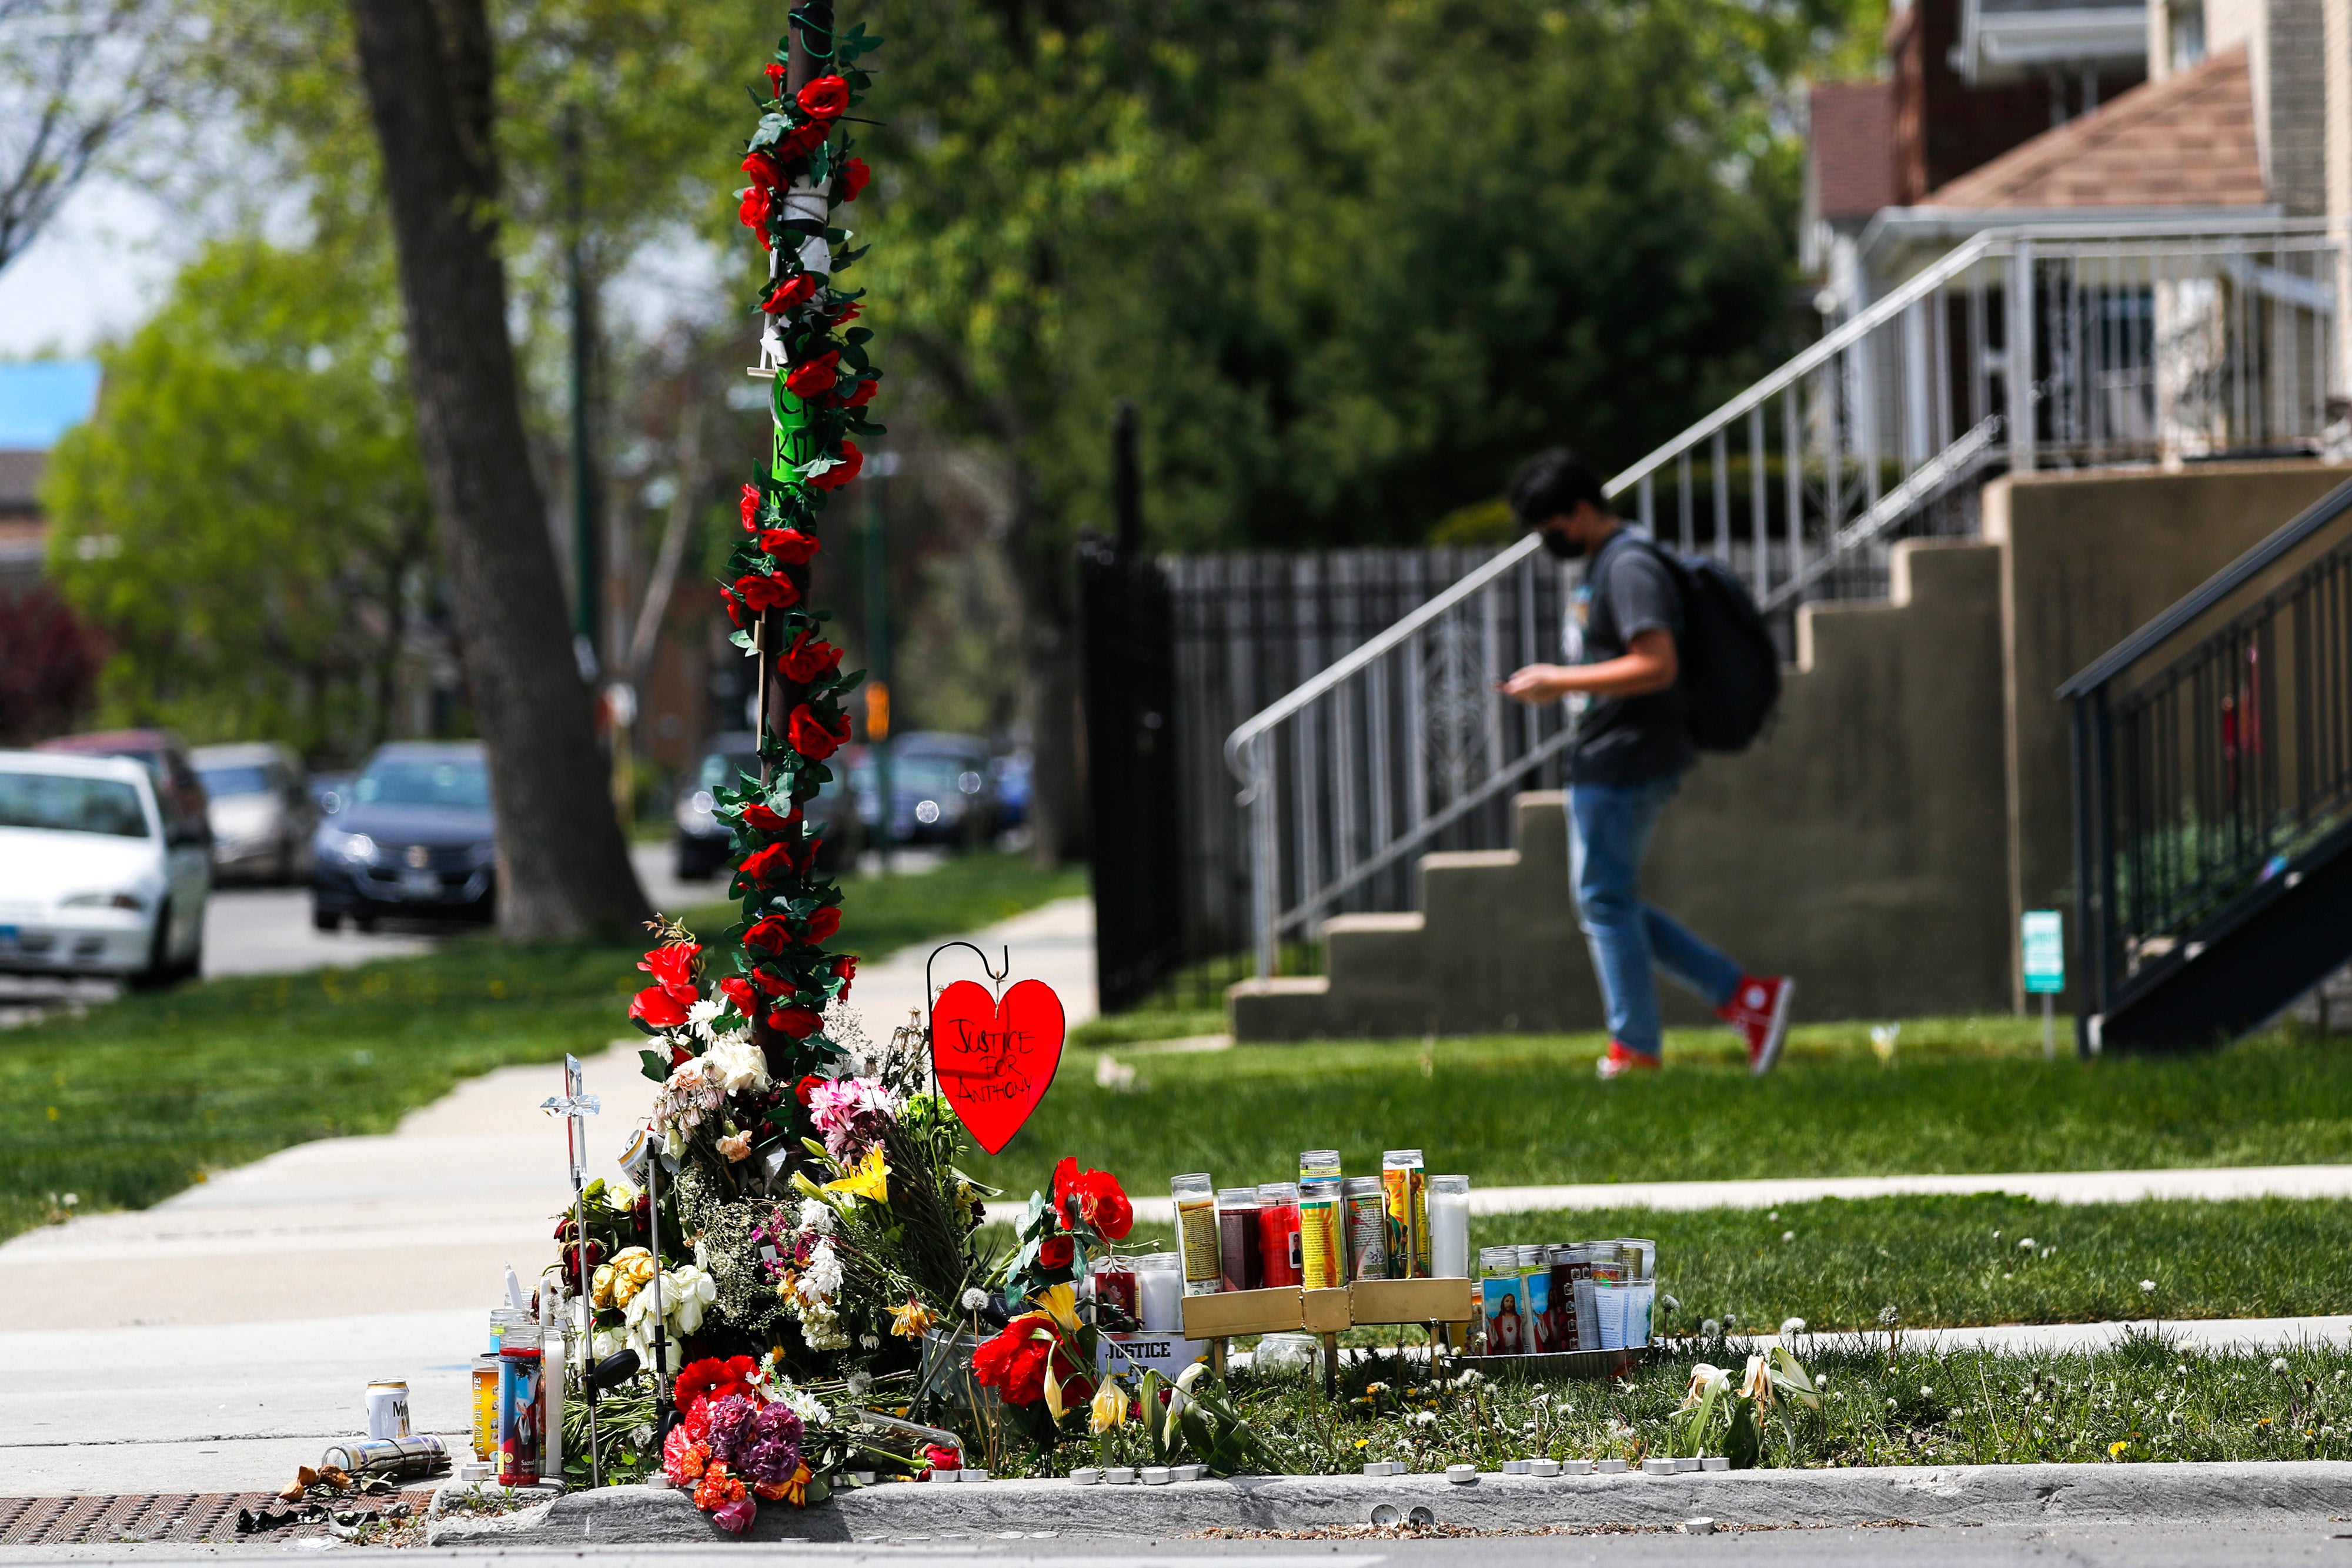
<point>764,818</point>
<point>713,1379</point>
<point>771,935</point>
<point>756,205</point>
<point>776,75</point>
<point>798,1022</point>
<point>864,394</point>
<point>816,376</point>
<point>772,591</point>
<point>801,140</point>
<point>790,546</point>
<point>672,968</point>
<point>761,169</point>
<point>740,995</point>
<point>750,508</point>
<point>813,737</point>
<point>804,1088</point>
<point>941,1457</point>
<point>834,478</point>
<point>761,864</point>
<point>809,657</point>
<point>851,309</point>
<point>845,969</point>
<point>656,1008</point>
<point>827,97</point>
<point>797,290</point>
<point>1013,1362</point>
<point>1093,1199</point>
<point>1055,1252</point>
<point>821,924</point>
<point>773,985</point>
<point>854,177</point>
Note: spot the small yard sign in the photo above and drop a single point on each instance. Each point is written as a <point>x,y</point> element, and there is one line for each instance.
<point>2044,941</point>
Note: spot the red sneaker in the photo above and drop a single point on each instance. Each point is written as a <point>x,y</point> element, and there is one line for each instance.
<point>1760,1009</point>
<point>1620,1062</point>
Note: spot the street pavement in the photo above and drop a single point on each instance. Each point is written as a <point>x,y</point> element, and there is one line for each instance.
<point>247,1314</point>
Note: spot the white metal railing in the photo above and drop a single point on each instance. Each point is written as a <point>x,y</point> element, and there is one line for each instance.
<point>2143,343</point>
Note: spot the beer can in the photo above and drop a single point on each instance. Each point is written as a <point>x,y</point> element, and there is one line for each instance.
<point>387,1408</point>
<point>1368,1232</point>
<point>395,1458</point>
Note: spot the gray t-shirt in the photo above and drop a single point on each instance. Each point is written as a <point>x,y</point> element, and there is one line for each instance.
<point>1627,590</point>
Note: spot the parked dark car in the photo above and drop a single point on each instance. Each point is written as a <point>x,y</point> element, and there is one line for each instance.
<point>412,841</point>
<point>702,839</point>
<point>942,790</point>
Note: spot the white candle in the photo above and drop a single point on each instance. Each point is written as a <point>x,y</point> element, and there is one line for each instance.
<point>1449,1227</point>
<point>551,1382</point>
<point>1161,1285</point>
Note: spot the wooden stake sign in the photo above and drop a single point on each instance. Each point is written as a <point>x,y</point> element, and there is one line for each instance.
<point>994,1057</point>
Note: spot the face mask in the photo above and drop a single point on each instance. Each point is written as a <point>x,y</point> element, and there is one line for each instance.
<point>1560,545</point>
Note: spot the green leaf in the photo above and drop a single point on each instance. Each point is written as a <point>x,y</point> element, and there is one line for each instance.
<point>653,1065</point>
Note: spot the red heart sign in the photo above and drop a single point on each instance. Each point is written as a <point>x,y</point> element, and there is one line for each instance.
<point>995,1059</point>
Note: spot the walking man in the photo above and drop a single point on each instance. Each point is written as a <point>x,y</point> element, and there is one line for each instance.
<point>1632,746</point>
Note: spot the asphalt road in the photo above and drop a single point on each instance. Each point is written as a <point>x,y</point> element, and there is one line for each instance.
<point>2257,1540</point>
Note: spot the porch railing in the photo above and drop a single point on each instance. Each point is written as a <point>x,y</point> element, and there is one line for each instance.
<point>2073,346</point>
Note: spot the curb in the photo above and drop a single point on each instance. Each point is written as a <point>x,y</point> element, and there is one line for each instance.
<point>1926,1495</point>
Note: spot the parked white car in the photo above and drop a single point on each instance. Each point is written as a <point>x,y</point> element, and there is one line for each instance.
<point>260,810</point>
<point>96,878</point>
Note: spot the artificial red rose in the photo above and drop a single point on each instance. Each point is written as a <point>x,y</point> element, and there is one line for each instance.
<point>772,591</point>
<point>770,936</point>
<point>851,309</point>
<point>739,994</point>
<point>713,1379</point>
<point>1056,1252</point>
<point>775,985</point>
<point>797,290</point>
<point>816,376</point>
<point>761,864</point>
<point>798,1022</point>
<point>809,657</point>
<point>1092,1199</point>
<point>790,546</point>
<point>845,969</point>
<point>776,75</point>
<point>804,1088</point>
<point>672,968</point>
<point>821,924</point>
<point>802,140</point>
<point>842,473</point>
<point>813,737</point>
<point>827,97</point>
<point>764,818</point>
<point>942,1458</point>
<point>758,202</point>
<point>763,170</point>
<point>750,508</point>
<point>679,1056</point>
<point>854,177</point>
<point>864,393</point>
<point>656,1008</point>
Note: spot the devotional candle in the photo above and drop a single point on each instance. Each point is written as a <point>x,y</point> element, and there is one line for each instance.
<point>1449,1227</point>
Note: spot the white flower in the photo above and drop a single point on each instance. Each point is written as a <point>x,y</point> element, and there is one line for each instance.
<point>1424,1418</point>
<point>858,1383</point>
<point>2026,1245</point>
<point>607,1341</point>
<point>2148,1287</point>
<point>816,1216</point>
<point>803,1404</point>
<point>736,1068</point>
<point>698,1016</point>
<point>822,1278</point>
<point>1791,1326</point>
<point>1788,1236</point>
<point>868,1342</point>
<point>821,1327</point>
<point>1470,1378</point>
<point>974,1298</point>
<point>2278,1364</point>
<point>1711,1329</point>
<point>1925,1392</point>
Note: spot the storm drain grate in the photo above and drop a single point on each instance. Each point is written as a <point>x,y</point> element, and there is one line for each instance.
<point>147,1516</point>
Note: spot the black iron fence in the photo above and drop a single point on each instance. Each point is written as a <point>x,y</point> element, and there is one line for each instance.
<point>2204,779</point>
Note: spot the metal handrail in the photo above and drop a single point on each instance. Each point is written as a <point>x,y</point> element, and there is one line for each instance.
<point>1983,246</point>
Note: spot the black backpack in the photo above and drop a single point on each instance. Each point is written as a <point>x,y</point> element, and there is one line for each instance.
<point>1731,665</point>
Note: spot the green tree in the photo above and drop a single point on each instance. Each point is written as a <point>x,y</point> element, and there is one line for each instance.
<point>245,515</point>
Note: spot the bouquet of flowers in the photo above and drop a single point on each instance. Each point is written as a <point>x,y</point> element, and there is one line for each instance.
<point>743,1438</point>
<point>1043,1361</point>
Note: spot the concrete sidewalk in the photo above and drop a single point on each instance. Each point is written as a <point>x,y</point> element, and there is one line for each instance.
<point>248,1313</point>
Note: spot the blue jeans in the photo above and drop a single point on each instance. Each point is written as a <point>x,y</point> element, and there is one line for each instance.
<point>1608,828</point>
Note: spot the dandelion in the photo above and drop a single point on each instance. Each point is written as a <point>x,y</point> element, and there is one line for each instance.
<point>2148,1287</point>
<point>1424,1418</point>
<point>1925,1392</point>
<point>1790,1327</point>
<point>2278,1364</point>
<point>1711,1329</point>
<point>2025,1244</point>
<point>1888,1314</point>
<point>974,1298</point>
<point>1788,1236</point>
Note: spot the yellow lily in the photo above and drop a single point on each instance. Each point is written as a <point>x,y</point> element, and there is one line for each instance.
<point>910,1321</point>
<point>1109,1410</point>
<point>871,1180</point>
<point>1061,1305</point>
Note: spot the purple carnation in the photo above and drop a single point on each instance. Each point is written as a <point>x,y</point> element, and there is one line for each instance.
<point>775,1450</point>
<point>734,1423</point>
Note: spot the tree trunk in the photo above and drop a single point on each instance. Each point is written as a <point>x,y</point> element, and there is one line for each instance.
<point>563,865</point>
<point>1042,575</point>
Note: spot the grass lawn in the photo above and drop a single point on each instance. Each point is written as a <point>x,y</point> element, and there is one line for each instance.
<point>140,1097</point>
<point>1971,1095</point>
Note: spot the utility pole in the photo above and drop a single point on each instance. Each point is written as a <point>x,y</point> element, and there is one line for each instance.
<point>878,645</point>
<point>588,604</point>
